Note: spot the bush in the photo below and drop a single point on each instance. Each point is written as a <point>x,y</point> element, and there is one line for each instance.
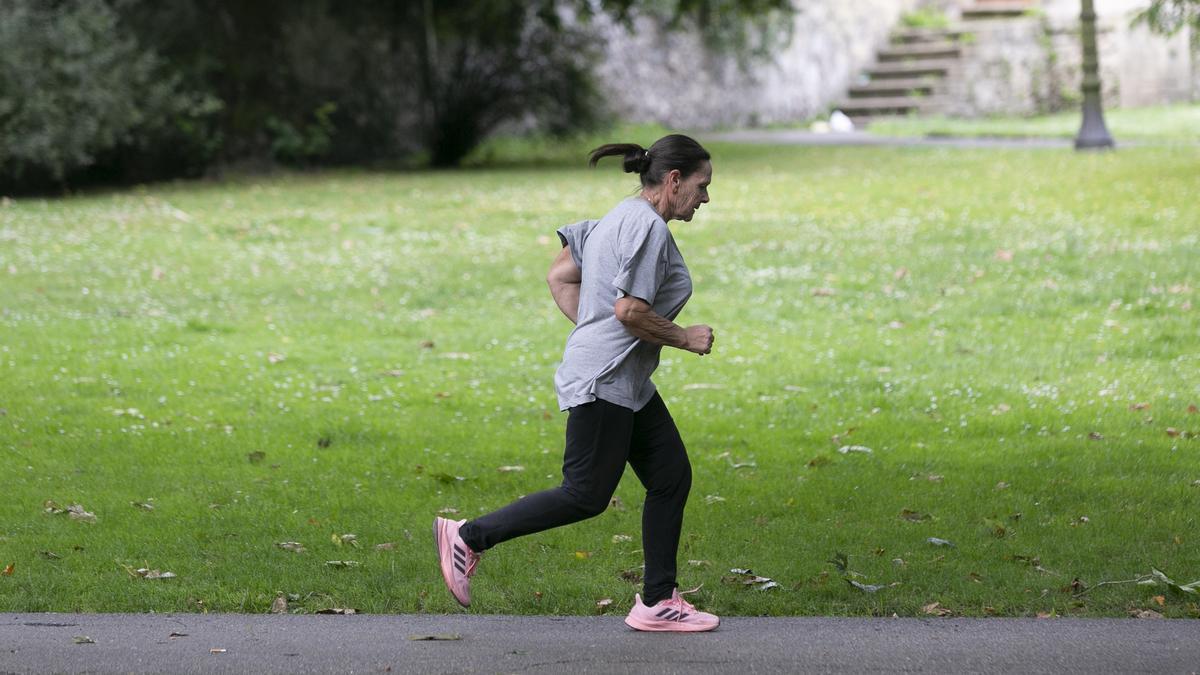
<point>75,88</point>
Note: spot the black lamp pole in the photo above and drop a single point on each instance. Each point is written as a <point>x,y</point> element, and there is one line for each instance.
<point>1093,135</point>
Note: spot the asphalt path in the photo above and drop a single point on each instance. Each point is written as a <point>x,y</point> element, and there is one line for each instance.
<point>864,138</point>
<point>467,643</point>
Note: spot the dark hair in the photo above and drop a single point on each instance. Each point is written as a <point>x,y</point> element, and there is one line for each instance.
<point>675,151</point>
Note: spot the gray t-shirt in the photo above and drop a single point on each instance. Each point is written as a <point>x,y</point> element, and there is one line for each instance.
<point>631,252</point>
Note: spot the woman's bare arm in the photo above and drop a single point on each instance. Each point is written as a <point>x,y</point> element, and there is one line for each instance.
<point>564,278</point>
<point>643,323</point>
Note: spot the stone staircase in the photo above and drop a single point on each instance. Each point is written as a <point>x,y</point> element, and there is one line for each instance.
<point>910,73</point>
<point>907,75</point>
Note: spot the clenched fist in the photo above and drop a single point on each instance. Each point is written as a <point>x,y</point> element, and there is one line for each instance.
<point>699,339</point>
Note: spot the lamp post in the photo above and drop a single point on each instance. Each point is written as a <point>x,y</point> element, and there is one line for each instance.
<point>1093,134</point>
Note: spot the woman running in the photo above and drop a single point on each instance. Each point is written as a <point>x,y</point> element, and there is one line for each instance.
<point>622,281</point>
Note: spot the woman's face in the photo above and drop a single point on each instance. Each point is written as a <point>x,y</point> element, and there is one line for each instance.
<point>692,192</point>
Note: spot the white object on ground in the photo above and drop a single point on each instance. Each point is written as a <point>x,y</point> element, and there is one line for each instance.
<point>840,123</point>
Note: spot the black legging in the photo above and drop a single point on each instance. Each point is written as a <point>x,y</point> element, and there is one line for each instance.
<point>601,437</point>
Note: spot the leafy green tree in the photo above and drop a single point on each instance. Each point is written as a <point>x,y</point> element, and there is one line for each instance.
<point>74,87</point>
<point>1170,16</point>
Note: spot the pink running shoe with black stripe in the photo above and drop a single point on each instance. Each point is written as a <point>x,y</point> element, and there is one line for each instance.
<point>671,615</point>
<point>457,559</point>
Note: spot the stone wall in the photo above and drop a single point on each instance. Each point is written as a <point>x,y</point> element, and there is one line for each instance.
<point>651,75</point>
<point>1032,64</point>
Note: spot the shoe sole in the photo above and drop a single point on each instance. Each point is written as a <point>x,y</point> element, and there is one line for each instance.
<point>444,561</point>
<point>669,626</point>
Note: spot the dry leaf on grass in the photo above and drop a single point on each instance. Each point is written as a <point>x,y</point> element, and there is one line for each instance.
<point>147,573</point>
<point>604,604</point>
<point>280,605</point>
<point>1145,614</point>
<point>293,546</point>
<point>745,577</point>
<point>344,539</point>
<point>342,563</point>
<point>510,468</point>
<point>386,546</point>
<point>8,571</point>
<point>621,538</point>
<point>338,610</point>
<point>937,541</point>
<point>847,449</point>
<point>936,609</point>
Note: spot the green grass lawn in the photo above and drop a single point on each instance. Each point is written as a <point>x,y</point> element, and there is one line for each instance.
<point>1155,124</point>
<point>299,357</point>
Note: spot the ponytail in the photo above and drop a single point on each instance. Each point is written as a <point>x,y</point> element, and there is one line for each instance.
<point>675,151</point>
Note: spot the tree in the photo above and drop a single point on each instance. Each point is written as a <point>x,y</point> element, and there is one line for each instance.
<point>1170,16</point>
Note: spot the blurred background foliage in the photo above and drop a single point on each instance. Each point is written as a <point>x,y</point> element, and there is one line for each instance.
<point>120,91</point>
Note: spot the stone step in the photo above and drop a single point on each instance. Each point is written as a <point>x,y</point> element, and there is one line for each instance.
<point>861,107</point>
<point>919,35</point>
<point>995,10</point>
<point>910,69</point>
<point>922,50</point>
<point>894,87</point>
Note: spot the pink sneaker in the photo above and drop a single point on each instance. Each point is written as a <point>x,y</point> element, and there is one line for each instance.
<point>673,614</point>
<point>457,559</point>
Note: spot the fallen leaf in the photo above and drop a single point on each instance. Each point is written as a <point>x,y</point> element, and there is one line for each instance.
<point>342,563</point>
<point>293,546</point>
<point>818,461</point>
<point>147,573</point>
<point>448,511</point>
<point>77,512</point>
<point>273,357</point>
<point>1192,409</point>
<point>936,609</point>
<point>604,604</point>
<point>145,506</point>
<point>338,610</point>
<point>256,457</point>
<point>386,546</point>
<point>510,469</point>
<point>1002,485</point>
<point>345,539</point>
<point>745,577</point>
<point>1139,406</point>
<point>1096,436</point>
<point>1004,255</point>
<point>713,499</point>
<point>83,640</point>
<point>823,292</point>
<point>8,571</point>
<point>914,516</point>
<point>699,563</point>
<point>50,555</point>
<point>280,605</point>
<point>632,575</point>
<point>435,637</point>
<point>1001,408</point>
<point>1145,614</point>
<point>324,442</point>
<point>847,449</point>
<point>1172,432</point>
<point>1045,615</point>
<point>621,538</point>
<point>582,555</point>
<point>869,588</point>
<point>940,542</point>
<point>1161,600</point>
